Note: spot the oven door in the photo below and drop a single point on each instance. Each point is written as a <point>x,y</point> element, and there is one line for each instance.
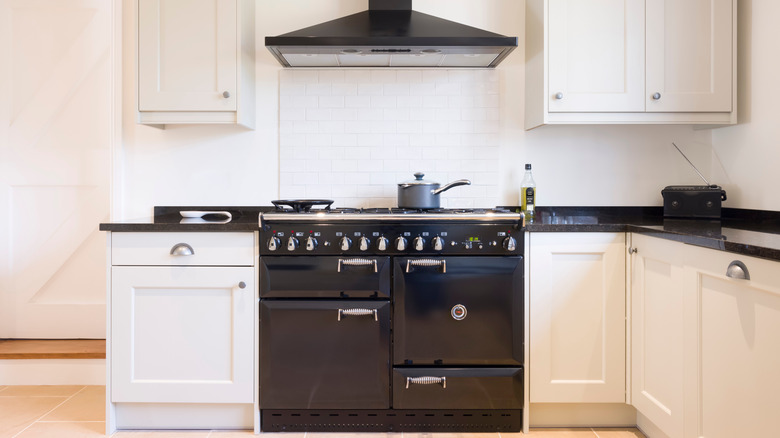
<point>324,277</point>
<point>458,311</point>
<point>324,354</point>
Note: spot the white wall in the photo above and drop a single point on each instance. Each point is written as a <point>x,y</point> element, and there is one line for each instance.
<point>223,165</point>
<point>746,156</point>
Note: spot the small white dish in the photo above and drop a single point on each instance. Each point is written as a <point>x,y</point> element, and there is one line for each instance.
<point>200,214</point>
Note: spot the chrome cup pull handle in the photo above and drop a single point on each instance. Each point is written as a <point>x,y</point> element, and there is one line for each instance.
<point>737,269</point>
<point>182,249</point>
<point>357,312</point>
<point>357,262</point>
<point>427,263</point>
<point>426,380</point>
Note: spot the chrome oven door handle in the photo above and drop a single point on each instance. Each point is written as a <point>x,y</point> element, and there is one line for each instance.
<point>357,312</point>
<point>357,262</point>
<point>426,380</point>
<point>427,263</point>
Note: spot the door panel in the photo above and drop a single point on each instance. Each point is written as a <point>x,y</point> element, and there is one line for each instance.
<point>55,140</point>
<point>315,356</point>
<point>426,325</point>
<point>458,388</point>
<point>310,277</point>
<point>689,55</point>
<point>596,55</point>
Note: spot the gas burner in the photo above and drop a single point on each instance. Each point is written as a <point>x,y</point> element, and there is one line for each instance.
<point>301,205</point>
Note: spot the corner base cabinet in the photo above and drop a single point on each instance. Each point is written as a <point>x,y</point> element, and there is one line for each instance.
<point>196,62</point>
<point>706,325</point>
<point>630,62</point>
<point>182,330</point>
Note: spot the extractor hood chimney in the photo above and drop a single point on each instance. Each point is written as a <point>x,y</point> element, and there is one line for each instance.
<point>390,34</point>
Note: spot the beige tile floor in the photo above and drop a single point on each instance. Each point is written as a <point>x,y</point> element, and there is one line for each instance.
<point>79,412</point>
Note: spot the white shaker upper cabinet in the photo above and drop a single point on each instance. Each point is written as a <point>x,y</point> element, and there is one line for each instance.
<point>689,55</point>
<point>630,61</point>
<point>596,55</point>
<point>190,66</point>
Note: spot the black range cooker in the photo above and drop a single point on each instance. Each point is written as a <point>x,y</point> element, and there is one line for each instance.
<point>391,320</point>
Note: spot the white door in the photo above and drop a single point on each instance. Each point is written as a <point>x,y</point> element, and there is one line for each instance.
<point>182,334</point>
<point>55,139</point>
<point>596,55</point>
<point>187,55</point>
<point>689,55</point>
<point>577,300</point>
<point>732,355</point>
<point>656,334</point>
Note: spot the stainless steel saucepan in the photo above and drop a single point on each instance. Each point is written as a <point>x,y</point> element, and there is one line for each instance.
<point>421,194</point>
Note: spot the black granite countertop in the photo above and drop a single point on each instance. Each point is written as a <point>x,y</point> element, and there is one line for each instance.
<point>169,219</point>
<point>748,232</point>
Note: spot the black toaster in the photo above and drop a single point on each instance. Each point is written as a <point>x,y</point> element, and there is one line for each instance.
<point>693,202</point>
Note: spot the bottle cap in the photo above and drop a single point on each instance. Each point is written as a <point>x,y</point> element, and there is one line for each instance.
<point>527,167</point>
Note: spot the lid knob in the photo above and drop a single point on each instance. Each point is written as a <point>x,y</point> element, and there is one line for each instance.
<point>419,176</point>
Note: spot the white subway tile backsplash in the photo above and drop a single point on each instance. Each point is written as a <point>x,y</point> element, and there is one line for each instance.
<point>357,101</point>
<point>331,101</point>
<point>319,89</point>
<point>353,135</point>
<point>409,76</point>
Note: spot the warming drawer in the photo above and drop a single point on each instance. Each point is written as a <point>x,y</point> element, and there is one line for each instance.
<point>458,388</point>
<point>324,277</point>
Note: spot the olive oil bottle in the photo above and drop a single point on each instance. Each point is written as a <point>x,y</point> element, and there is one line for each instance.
<point>528,195</point>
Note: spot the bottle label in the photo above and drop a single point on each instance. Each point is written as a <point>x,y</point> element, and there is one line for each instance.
<point>529,197</point>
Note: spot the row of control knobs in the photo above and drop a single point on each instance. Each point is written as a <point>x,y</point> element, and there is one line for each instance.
<point>382,243</point>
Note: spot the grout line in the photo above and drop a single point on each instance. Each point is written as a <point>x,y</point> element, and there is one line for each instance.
<point>50,411</point>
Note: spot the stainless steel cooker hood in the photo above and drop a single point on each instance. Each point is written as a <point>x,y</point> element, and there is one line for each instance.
<point>390,34</point>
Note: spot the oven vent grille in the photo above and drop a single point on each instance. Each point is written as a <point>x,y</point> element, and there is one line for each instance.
<point>391,420</point>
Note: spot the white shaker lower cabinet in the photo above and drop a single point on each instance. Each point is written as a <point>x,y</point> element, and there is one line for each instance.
<point>577,327</point>
<point>182,334</point>
<point>656,332</point>
<point>182,331</point>
<point>732,346</point>
<point>704,344</point>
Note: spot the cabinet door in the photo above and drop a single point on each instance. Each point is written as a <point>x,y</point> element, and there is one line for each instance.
<point>732,355</point>
<point>689,55</point>
<point>596,55</point>
<point>656,328</point>
<point>187,55</point>
<point>182,334</point>
<point>577,301</point>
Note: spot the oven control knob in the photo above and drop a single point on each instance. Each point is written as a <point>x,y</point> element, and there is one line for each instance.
<point>364,243</point>
<point>381,243</point>
<point>437,243</point>
<point>311,243</point>
<point>510,244</point>
<point>292,244</point>
<point>400,244</point>
<point>345,243</point>
<point>419,243</point>
<point>273,243</point>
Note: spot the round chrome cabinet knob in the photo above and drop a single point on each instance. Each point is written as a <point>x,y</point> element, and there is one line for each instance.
<point>345,243</point>
<point>311,243</point>
<point>364,244</point>
<point>292,244</point>
<point>400,244</point>
<point>656,96</point>
<point>381,243</point>
<point>437,243</point>
<point>559,96</point>
<point>419,243</point>
<point>273,243</point>
<point>510,244</point>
